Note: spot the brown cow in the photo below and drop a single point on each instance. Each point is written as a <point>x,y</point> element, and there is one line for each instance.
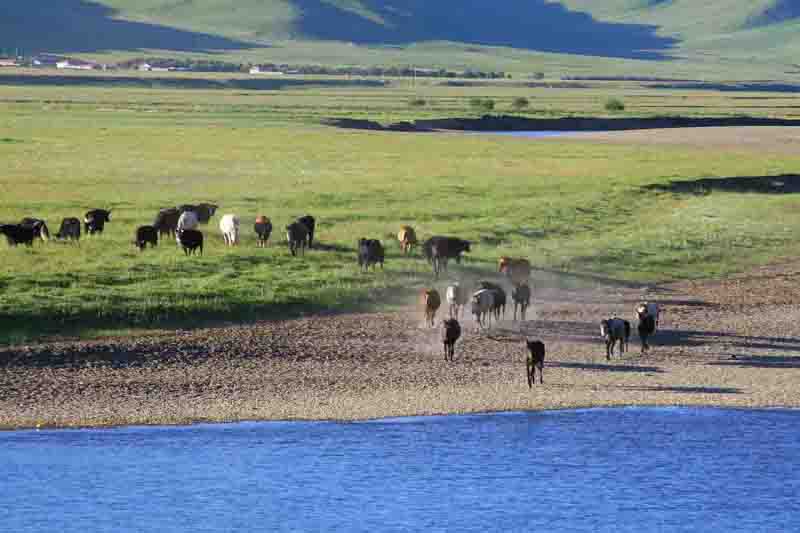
<point>431,301</point>
<point>519,270</point>
<point>407,238</point>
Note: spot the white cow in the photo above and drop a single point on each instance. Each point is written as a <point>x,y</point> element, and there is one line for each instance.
<point>456,299</point>
<point>229,226</point>
<point>187,220</point>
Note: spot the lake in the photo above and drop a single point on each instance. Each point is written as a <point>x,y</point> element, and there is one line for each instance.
<point>630,469</point>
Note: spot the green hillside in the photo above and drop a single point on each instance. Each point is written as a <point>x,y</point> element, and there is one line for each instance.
<point>709,39</point>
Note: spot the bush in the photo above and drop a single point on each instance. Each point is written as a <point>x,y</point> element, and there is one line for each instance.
<point>614,104</point>
<point>482,104</point>
<point>520,103</point>
<point>417,102</point>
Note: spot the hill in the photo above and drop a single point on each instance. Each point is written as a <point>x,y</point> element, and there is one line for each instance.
<point>611,36</point>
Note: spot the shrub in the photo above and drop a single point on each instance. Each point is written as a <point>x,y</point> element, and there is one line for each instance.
<point>520,103</point>
<point>417,102</point>
<point>482,104</point>
<point>614,105</point>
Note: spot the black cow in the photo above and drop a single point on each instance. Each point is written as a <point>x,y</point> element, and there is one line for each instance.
<point>38,226</point>
<point>370,252</point>
<point>647,326</point>
<point>521,295</point>
<point>191,240</point>
<point>439,250</point>
<point>94,221</point>
<point>297,237</point>
<point>309,222</point>
<point>70,229</point>
<point>451,331</point>
<point>499,298</point>
<point>263,229</point>
<point>17,234</point>
<point>204,211</point>
<point>166,221</point>
<point>535,360</point>
<point>145,235</point>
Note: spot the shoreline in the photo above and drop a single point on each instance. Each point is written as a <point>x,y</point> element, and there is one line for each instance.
<point>732,343</point>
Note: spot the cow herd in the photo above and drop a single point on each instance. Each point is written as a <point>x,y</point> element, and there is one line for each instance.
<point>486,302</point>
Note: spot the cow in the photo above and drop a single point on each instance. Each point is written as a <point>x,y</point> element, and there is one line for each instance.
<point>648,308</point>
<point>438,250</point>
<point>613,330</point>
<point>38,226</point>
<point>535,359</point>
<point>297,237</point>
<point>500,299</point>
<point>263,229</point>
<point>482,306</point>
<point>17,234</point>
<point>186,220</point>
<point>451,331</point>
<point>370,252</point>
<point>521,296</point>
<point>646,327</point>
<point>204,211</point>
<point>518,270</point>
<point>310,223</point>
<point>191,241</point>
<point>407,238</point>
<point>229,226</point>
<point>70,229</point>
<point>166,221</point>
<point>431,301</point>
<point>145,235</point>
<point>457,297</point>
<point>94,221</point>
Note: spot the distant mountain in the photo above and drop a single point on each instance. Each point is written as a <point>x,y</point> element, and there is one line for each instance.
<point>707,31</point>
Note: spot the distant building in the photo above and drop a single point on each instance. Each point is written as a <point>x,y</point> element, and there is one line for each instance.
<point>8,63</point>
<point>144,67</point>
<point>75,65</point>
<point>257,70</point>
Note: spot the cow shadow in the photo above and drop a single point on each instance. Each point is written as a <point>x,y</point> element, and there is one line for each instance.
<point>757,361</point>
<point>780,184</point>
<point>609,367</point>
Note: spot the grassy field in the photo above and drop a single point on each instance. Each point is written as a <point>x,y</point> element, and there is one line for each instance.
<point>575,205</point>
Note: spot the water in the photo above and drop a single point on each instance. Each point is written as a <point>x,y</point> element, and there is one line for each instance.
<point>588,470</point>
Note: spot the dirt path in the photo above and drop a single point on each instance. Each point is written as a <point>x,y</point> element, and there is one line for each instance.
<point>729,343</point>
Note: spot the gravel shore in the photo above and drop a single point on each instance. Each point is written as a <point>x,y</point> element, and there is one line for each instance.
<point>733,342</point>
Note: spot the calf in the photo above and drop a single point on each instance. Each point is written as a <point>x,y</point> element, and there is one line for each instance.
<point>191,241</point>
<point>263,229</point>
<point>370,252</point>
<point>310,223</point>
<point>297,237</point>
<point>451,331</point>
<point>518,270</point>
<point>648,308</point>
<point>534,360</point>
<point>38,226</point>
<point>521,295</point>
<point>70,229</point>
<point>407,238</point>
<point>17,234</point>
<point>613,330</point>
<point>457,297</point>
<point>229,226</point>
<point>166,221</point>
<point>95,220</point>
<point>431,301</point>
<point>147,235</point>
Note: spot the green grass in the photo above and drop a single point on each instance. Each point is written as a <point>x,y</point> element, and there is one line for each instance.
<point>573,206</point>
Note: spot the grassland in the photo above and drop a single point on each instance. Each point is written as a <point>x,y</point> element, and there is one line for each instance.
<point>577,205</point>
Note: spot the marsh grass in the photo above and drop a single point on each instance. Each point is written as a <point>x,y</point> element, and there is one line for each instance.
<point>571,205</point>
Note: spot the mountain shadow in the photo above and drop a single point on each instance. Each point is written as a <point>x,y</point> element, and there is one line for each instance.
<point>79,26</point>
<point>526,24</point>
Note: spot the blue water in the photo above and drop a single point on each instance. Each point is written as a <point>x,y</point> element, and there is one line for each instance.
<point>588,470</point>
